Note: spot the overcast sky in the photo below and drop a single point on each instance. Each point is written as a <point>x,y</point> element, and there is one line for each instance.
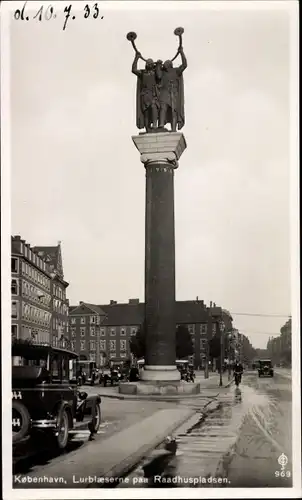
<point>77,176</point>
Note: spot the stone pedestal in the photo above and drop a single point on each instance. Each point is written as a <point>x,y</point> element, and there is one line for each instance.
<point>160,153</point>
<point>178,388</point>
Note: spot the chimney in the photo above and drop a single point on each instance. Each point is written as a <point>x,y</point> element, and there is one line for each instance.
<point>17,238</point>
<point>113,302</point>
<point>197,298</point>
<point>81,302</point>
<point>210,303</point>
<point>133,301</point>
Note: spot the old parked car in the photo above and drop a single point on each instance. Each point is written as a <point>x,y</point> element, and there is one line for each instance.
<point>46,402</point>
<point>265,368</point>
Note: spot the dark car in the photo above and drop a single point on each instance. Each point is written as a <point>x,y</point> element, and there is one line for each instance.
<point>265,368</point>
<point>46,401</point>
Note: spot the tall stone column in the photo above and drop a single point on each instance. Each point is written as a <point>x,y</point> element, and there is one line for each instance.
<point>160,153</point>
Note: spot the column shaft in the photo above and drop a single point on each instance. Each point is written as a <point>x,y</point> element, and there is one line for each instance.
<point>160,266</point>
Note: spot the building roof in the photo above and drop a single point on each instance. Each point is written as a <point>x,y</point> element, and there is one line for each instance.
<point>52,255</point>
<point>93,307</point>
<point>191,311</point>
<point>122,314</point>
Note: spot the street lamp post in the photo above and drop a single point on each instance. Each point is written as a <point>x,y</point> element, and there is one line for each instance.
<point>230,340</point>
<point>209,331</point>
<point>221,328</point>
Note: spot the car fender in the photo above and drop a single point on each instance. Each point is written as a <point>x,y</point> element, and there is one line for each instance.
<point>93,397</point>
<point>64,405</point>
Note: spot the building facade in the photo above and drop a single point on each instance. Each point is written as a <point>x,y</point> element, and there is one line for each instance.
<point>60,304</point>
<point>32,293</point>
<point>85,332</point>
<point>279,349</point>
<point>117,322</point>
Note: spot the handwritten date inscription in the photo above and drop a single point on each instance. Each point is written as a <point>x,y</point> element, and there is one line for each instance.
<point>47,13</point>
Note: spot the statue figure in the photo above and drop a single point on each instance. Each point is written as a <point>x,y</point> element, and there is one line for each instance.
<point>171,95</point>
<point>147,97</point>
<point>160,90</point>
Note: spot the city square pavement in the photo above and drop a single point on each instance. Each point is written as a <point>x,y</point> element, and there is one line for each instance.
<point>243,431</point>
<point>129,430</point>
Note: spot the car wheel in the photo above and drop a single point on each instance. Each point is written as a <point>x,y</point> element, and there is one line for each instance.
<point>95,423</point>
<point>20,421</point>
<point>62,435</point>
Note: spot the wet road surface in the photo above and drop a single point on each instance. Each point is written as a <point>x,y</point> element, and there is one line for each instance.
<point>240,443</point>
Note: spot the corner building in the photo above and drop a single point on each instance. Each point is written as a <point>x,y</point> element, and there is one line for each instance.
<point>109,339</point>
<point>33,281</point>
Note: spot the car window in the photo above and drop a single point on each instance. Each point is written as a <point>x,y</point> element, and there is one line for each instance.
<point>65,368</point>
<point>55,368</point>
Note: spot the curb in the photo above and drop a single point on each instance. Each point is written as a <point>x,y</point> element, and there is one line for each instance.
<point>186,427</point>
<point>183,426</point>
<point>127,465</point>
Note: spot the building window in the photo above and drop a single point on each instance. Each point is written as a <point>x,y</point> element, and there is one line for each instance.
<point>214,328</point>
<point>83,320</point>
<point>73,332</point>
<point>14,287</point>
<point>92,319</point>
<point>123,345</point>
<point>15,331</point>
<point>112,355</point>
<point>112,344</point>
<point>92,357</point>
<point>92,345</point>
<point>191,329</point>
<point>102,345</point>
<point>15,310</point>
<point>112,332</point>
<point>14,264</point>
<point>123,331</point>
<point>102,332</point>
<point>82,332</point>
<point>82,345</point>
<point>92,331</point>
<point>73,345</point>
<point>133,330</point>
<point>203,328</point>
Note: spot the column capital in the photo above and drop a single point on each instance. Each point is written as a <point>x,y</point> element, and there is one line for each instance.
<point>160,148</point>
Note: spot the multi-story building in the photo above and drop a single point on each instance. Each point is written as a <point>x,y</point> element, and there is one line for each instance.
<point>33,286</point>
<point>117,322</point>
<point>85,332</point>
<point>60,305</point>
<point>31,293</point>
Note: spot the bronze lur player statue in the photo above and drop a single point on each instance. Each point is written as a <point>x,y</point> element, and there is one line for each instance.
<point>160,90</point>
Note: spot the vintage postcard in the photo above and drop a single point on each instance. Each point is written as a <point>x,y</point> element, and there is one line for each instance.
<point>150,249</point>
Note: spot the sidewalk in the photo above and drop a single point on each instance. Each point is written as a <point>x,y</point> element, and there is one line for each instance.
<point>137,428</point>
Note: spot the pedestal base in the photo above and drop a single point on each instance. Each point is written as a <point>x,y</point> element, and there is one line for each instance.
<point>159,388</point>
<point>160,373</point>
